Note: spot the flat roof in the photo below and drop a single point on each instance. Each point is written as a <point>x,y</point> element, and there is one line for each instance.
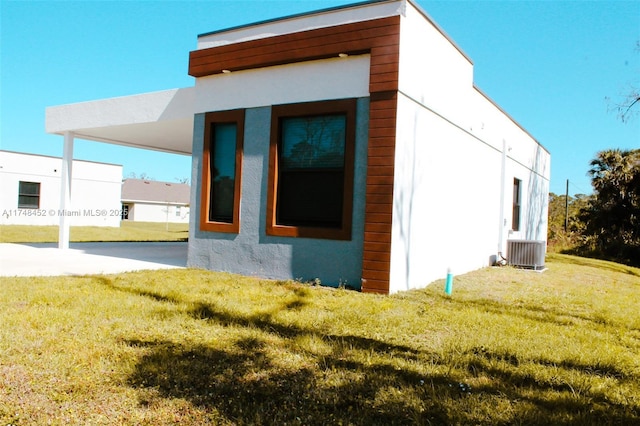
<point>160,121</point>
<point>59,158</point>
<point>295,16</point>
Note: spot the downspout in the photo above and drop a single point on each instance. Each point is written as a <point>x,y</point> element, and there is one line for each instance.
<point>503,172</point>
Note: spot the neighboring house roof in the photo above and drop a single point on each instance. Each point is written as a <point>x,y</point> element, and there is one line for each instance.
<point>152,191</point>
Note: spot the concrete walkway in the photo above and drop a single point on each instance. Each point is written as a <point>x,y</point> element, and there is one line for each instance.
<point>45,259</point>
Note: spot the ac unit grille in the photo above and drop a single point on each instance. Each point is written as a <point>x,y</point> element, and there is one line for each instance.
<point>526,254</point>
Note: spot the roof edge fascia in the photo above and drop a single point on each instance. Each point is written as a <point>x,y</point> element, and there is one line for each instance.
<point>295,16</point>
<point>80,135</point>
<point>509,116</point>
<point>55,157</point>
<point>432,21</point>
<point>120,97</point>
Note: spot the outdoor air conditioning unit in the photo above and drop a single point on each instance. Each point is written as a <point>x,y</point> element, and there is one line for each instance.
<point>526,254</point>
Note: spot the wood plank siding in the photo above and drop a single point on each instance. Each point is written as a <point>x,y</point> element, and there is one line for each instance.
<point>379,197</point>
<point>381,39</point>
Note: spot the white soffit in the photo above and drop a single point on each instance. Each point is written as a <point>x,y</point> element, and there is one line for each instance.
<point>161,121</point>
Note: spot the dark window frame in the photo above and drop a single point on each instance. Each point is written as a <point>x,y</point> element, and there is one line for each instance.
<point>346,107</point>
<point>211,119</point>
<point>517,202</point>
<point>23,193</point>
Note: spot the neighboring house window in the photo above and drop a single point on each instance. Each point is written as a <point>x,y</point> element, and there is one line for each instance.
<point>177,211</point>
<point>517,195</point>
<point>28,195</point>
<point>311,164</point>
<point>221,170</point>
<point>125,212</point>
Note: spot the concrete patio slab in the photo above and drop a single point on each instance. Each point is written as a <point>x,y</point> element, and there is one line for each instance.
<point>45,259</point>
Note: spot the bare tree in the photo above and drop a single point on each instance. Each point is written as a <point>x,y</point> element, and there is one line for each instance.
<point>629,106</point>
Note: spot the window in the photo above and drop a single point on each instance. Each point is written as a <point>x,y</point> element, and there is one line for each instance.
<point>124,213</point>
<point>515,218</point>
<point>310,191</point>
<point>28,195</point>
<point>221,170</point>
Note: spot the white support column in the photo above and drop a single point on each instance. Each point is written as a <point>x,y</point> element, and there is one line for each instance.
<point>65,190</point>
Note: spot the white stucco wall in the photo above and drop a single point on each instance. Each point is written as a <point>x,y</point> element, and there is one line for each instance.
<point>95,197</point>
<point>432,69</point>
<point>144,211</point>
<point>448,175</point>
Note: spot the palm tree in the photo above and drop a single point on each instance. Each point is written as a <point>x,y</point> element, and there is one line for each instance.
<point>613,170</point>
<point>613,218</point>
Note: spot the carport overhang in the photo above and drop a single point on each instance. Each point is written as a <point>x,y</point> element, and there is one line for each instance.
<point>159,121</point>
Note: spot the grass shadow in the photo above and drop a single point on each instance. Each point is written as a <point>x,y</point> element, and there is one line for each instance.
<point>563,400</point>
<point>109,283</point>
<point>599,369</point>
<point>245,385</point>
<point>533,313</point>
<point>263,320</point>
<point>351,380</point>
<point>571,258</point>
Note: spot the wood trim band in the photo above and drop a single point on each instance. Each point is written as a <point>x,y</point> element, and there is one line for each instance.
<point>381,39</point>
<point>376,265</point>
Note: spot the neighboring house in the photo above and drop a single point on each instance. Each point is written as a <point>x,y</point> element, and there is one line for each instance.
<point>30,191</point>
<point>152,201</point>
<point>349,145</point>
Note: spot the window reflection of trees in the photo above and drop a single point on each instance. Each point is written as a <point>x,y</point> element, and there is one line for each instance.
<point>311,177</point>
<point>313,142</point>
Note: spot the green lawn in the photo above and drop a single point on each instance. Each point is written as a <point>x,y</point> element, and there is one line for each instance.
<point>128,231</point>
<point>196,347</point>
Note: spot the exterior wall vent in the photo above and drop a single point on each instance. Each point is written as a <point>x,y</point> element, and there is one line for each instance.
<point>526,254</point>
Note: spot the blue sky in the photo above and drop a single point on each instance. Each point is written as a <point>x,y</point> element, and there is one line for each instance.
<point>550,64</point>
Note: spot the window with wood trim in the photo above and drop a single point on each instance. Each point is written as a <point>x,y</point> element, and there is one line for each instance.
<point>311,164</point>
<point>221,171</point>
<point>517,195</point>
<point>28,195</point>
